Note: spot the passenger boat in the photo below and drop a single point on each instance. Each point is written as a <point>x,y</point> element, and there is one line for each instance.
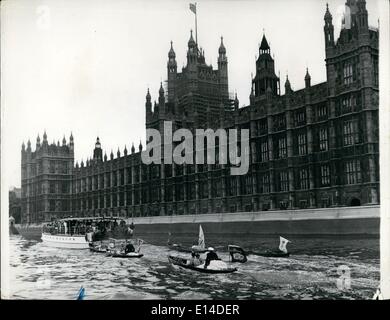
<point>182,262</point>
<point>76,233</point>
<point>200,248</point>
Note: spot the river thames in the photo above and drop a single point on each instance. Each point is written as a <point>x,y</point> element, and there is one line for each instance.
<point>318,268</point>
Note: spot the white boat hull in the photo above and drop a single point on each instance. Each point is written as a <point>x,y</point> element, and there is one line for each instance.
<point>65,241</point>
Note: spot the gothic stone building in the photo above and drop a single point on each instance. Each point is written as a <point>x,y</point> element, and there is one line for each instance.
<point>309,148</point>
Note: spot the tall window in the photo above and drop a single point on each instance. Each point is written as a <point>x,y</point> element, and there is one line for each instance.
<point>282,148</point>
<point>348,103</point>
<point>300,117</point>
<point>52,167</point>
<point>302,144</point>
<point>322,112</point>
<point>303,179</point>
<point>376,71</point>
<point>350,132</point>
<point>265,184</point>
<point>52,187</point>
<point>348,73</point>
<point>325,175</point>
<point>283,181</point>
<point>323,139</point>
<point>264,151</point>
<point>353,172</point>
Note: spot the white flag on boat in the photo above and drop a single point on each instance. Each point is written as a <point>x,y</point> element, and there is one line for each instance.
<point>378,295</point>
<point>201,243</point>
<point>283,244</point>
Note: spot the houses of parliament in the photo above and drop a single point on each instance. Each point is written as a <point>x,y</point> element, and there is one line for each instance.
<point>309,148</point>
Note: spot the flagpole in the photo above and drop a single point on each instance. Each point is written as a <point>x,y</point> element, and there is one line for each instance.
<point>196,25</point>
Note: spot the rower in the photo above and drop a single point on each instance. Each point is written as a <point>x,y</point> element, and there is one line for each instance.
<point>129,248</point>
<point>211,255</point>
<point>195,259</point>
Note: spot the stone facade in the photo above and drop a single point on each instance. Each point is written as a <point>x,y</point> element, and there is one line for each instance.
<point>309,148</point>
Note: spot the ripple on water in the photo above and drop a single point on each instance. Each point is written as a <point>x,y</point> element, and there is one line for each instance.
<point>310,273</point>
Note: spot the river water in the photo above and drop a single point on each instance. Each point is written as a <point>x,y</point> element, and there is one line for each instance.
<point>318,268</point>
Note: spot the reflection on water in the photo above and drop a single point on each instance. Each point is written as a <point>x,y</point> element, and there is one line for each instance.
<point>311,272</point>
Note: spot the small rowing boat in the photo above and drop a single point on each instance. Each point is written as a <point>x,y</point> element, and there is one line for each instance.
<point>184,263</point>
<point>125,255</point>
<point>239,255</point>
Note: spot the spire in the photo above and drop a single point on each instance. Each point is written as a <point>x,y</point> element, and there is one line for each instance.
<point>287,85</point>
<point>38,141</point>
<point>264,47</point>
<point>161,91</point>
<point>44,136</point>
<point>105,156</point>
<point>191,42</point>
<point>23,146</point>
<point>171,53</point>
<point>148,97</point>
<point>118,153</point>
<point>140,146</point>
<point>236,102</point>
<point>222,49</point>
<point>64,141</point>
<point>328,16</point>
<point>132,148</point>
<point>111,155</point>
<point>125,151</point>
<point>307,78</point>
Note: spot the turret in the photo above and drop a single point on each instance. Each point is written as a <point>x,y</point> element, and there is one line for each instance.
<point>328,29</point>
<point>192,52</point>
<point>223,70</point>
<point>98,152</point>
<point>307,79</point>
<point>28,146</point>
<point>172,73</point>
<point>265,71</point>
<point>287,86</point>
<point>148,106</point>
<point>71,142</point>
<point>236,102</point>
<point>161,100</point>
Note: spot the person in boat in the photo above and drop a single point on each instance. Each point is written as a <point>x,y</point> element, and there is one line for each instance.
<point>129,248</point>
<point>195,259</point>
<point>211,255</point>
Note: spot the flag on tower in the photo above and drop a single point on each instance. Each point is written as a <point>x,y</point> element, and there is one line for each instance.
<point>193,7</point>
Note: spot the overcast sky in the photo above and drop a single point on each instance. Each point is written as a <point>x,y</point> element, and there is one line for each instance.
<point>84,66</point>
